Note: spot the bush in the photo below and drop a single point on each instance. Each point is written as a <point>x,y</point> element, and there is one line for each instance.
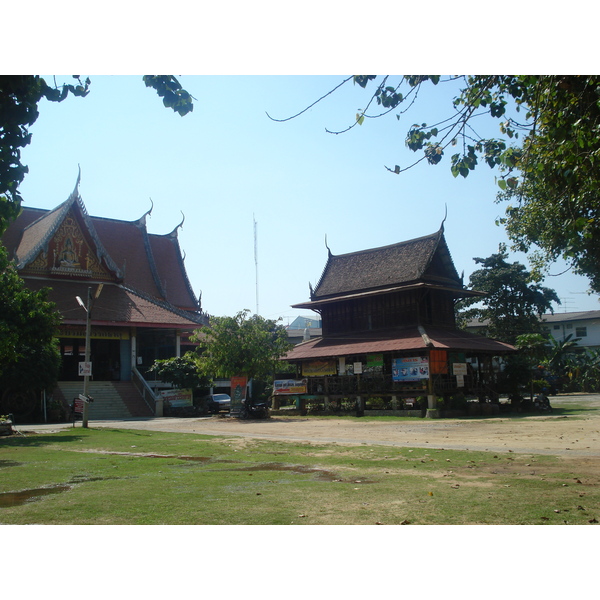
<point>538,385</point>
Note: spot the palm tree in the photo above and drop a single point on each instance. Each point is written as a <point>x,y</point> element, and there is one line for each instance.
<point>559,353</point>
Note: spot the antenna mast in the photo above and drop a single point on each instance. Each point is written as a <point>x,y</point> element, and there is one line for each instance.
<point>256,260</point>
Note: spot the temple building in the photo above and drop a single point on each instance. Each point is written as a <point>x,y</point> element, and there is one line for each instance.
<point>389,335</point>
<point>142,306</point>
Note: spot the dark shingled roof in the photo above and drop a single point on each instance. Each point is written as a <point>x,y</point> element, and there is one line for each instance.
<point>422,259</point>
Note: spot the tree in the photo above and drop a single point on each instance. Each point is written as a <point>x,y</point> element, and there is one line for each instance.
<point>513,305</point>
<point>548,153</point>
<point>241,345</point>
<point>29,354</point>
<point>181,371</point>
<point>19,99</point>
<point>559,352</point>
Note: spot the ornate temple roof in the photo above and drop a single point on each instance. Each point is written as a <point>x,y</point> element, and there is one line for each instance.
<point>144,274</point>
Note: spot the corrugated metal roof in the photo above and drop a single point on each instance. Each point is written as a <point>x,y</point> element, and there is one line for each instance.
<point>571,316</point>
<point>396,341</point>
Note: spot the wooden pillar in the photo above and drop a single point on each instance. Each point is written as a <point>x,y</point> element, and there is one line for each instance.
<point>432,412</point>
<point>360,406</point>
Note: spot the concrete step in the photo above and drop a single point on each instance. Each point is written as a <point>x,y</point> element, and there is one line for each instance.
<point>112,400</point>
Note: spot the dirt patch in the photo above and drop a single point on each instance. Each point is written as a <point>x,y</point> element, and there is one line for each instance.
<point>575,435</point>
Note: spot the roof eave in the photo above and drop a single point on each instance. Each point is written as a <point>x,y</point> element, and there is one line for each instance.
<point>458,292</point>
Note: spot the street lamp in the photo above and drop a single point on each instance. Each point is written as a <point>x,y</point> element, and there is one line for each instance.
<point>86,377</point>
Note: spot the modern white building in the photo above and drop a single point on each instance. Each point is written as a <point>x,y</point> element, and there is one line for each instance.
<point>583,325</point>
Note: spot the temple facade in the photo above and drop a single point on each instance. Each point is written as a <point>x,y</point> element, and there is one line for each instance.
<point>142,306</point>
<point>389,336</point>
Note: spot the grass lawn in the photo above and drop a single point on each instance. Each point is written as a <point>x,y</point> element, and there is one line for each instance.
<point>102,476</point>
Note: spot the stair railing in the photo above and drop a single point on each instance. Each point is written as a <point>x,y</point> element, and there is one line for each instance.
<point>144,389</point>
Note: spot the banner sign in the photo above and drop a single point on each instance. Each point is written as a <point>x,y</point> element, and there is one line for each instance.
<point>96,333</point>
<point>177,398</point>
<point>410,369</point>
<point>318,368</point>
<point>374,360</point>
<point>374,364</point>
<point>290,386</point>
<point>238,393</point>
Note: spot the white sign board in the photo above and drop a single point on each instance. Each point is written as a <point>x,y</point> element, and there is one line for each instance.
<point>85,368</point>
<point>357,368</point>
<point>459,368</point>
<point>460,381</point>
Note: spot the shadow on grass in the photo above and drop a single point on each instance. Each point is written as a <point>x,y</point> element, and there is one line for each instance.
<point>32,440</point>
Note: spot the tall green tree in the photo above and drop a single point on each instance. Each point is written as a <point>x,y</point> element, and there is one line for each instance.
<point>241,345</point>
<point>20,96</point>
<point>29,354</point>
<point>547,152</point>
<point>513,305</point>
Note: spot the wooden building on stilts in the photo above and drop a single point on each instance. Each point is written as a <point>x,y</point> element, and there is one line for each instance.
<point>389,336</point>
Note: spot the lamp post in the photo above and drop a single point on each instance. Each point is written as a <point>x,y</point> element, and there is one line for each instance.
<point>86,377</point>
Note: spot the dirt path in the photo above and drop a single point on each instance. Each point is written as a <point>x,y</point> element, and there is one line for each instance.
<point>560,435</point>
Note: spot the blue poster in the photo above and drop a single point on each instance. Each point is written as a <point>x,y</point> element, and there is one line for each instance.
<point>410,369</point>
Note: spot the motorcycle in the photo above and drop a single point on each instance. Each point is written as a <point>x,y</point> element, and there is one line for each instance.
<point>258,410</point>
<point>542,403</point>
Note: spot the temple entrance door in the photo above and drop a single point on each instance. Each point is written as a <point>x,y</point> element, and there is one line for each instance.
<point>72,352</point>
<point>105,356</point>
<point>106,360</point>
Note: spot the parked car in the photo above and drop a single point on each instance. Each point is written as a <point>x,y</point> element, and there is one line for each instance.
<point>219,402</point>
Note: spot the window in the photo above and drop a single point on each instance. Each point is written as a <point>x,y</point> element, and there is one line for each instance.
<point>557,327</point>
<point>580,331</point>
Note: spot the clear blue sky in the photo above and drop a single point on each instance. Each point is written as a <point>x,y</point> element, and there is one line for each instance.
<point>226,164</point>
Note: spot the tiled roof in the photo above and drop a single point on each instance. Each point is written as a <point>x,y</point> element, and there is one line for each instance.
<point>424,258</point>
<point>116,305</point>
<point>166,252</point>
<point>126,244</point>
<point>150,264</point>
<point>396,341</point>
<point>35,236</point>
<point>36,233</point>
<point>149,282</point>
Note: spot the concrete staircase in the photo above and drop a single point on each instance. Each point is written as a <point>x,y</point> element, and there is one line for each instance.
<point>112,399</point>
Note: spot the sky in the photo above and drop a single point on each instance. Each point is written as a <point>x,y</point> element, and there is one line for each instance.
<point>262,200</point>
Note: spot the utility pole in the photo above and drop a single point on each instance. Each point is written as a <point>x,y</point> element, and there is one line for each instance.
<point>256,260</point>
